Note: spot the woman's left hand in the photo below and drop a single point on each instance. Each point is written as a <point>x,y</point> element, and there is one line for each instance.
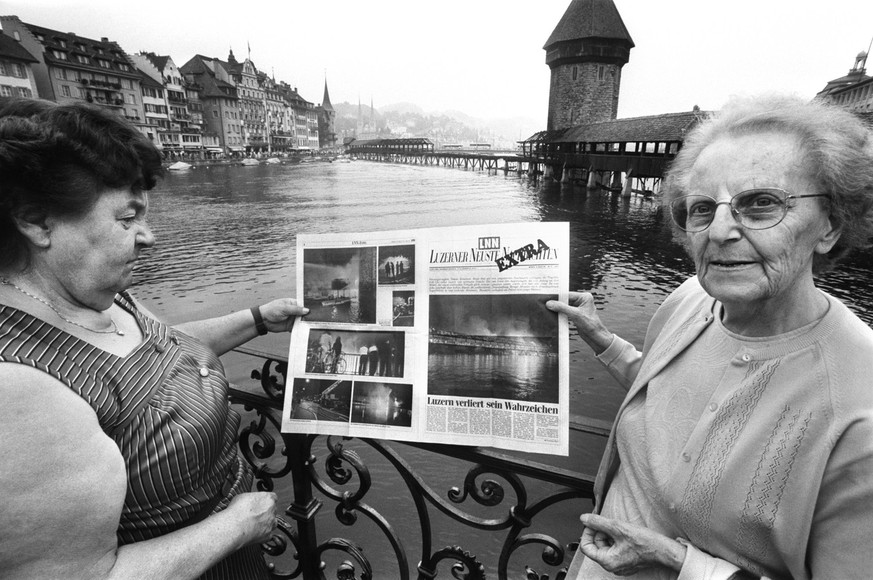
<point>625,549</point>
<point>279,314</point>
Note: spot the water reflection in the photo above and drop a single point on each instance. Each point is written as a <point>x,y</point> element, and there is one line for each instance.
<point>507,376</point>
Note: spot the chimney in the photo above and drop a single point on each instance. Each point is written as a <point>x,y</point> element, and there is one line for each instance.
<point>104,39</point>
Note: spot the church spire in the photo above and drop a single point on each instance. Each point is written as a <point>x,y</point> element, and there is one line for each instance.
<point>325,101</point>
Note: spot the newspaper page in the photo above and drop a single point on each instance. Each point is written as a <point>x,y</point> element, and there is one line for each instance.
<point>437,335</point>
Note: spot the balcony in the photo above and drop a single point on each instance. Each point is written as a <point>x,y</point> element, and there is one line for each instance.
<point>371,509</point>
<point>103,84</point>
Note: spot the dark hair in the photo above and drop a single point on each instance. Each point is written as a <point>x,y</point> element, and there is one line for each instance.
<point>838,151</point>
<point>58,159</point>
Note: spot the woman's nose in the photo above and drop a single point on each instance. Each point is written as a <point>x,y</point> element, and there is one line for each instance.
<point>145,236</point>
<point>724,224</point>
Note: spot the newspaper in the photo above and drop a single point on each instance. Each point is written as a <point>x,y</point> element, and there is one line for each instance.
<point>436,335</point>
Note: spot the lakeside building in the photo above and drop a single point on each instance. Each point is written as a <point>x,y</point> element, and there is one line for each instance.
<point>179,132</point>
<point>853,90</point>
<point>16,72</point>
<point>205,108</point>
<point>326,121</point>
<point>220,101</point>
<point>71,68</point>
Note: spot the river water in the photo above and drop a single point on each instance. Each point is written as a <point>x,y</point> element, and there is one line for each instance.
<point>226,240</point>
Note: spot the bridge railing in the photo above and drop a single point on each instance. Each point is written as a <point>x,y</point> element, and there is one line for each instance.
<point>374,509</point>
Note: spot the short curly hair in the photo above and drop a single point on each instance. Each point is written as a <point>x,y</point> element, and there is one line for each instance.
<point>838,147</point>
<point>58,159</point>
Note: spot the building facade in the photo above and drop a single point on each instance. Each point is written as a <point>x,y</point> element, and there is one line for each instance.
<point>72,68</point>
<point>326,122</point>
<point>16,74</point>
<point>586,52</point>
<point>854,90</point>
<point>219,101</point>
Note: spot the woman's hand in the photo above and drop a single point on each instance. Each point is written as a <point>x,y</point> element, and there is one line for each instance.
<point>582,312</point>
<point>625,549</point>
<point>256,514</point>
<point>279,314</point>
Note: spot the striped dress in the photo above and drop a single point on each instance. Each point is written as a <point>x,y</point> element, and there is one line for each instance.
<point>165,405</point>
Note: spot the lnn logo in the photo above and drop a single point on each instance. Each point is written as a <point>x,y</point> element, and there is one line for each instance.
<point>490,243</point>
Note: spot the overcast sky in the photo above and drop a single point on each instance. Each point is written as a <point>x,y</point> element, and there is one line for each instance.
<point>486,57</point>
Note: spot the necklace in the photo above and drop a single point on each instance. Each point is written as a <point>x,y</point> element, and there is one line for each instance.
<point>113,329</point>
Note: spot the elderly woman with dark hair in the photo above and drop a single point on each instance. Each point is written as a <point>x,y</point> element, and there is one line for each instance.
<point>744,447</point>
<point>118,453</point>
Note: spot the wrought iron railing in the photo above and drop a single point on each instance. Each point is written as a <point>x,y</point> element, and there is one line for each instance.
<point>373,509</point>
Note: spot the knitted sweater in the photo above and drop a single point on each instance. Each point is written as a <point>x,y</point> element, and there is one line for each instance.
<point>777,477</point>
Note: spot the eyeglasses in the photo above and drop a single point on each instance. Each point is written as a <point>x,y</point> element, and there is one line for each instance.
<point>755,209</point>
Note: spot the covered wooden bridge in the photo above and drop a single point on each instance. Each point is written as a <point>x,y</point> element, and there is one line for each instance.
<point>376,148</point>
<point>613,154</point>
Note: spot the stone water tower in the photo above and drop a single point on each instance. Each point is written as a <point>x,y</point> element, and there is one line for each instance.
<point>585,53</point>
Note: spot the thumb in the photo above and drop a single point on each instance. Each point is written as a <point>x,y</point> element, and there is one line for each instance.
<point>599,523</point>
<point>560,307</point>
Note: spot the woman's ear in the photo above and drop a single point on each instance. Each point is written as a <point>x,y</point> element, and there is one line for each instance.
<point>35,227</point>
<point>829,237</point>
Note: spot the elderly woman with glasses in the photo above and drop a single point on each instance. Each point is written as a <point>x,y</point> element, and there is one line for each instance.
<point>744,447</point>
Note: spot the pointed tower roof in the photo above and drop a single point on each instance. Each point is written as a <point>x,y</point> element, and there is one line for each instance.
<point>325,101</point>
<point>590,19</point>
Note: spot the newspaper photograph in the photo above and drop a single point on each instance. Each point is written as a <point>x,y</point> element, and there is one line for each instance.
<point>437,335</point>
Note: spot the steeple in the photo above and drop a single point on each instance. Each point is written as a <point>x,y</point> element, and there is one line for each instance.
<point>230,58</point>
<point>325,101</point>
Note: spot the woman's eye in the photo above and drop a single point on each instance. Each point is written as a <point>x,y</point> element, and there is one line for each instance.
<point>700,209</point>
<point>758,200</point>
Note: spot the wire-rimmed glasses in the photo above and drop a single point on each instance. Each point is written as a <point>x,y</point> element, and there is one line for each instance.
<point>755,209</point>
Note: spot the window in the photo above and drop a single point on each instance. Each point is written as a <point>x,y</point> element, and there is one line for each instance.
<point>126,84</point>
<point>17,36</point>
<point>61,73</point>
<point>601,72</point>
<point>60,55</point>
<point>122,66</point>
<point>24,92</point>
<point>65,90</point>
<point>5,91</point>
<point>575,72</point>
<point>83,59</point>
<point>12,69</point>
<point>129,98</point>
<point>103,63</point>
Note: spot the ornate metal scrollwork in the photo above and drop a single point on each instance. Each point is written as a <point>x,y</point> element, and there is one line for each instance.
<point>257,440</point>
<point>466,566</point>
<point>338,473</point>
<point>276,547</point>
<point>270,382</point>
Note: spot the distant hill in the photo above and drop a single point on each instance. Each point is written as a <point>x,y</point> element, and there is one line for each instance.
<point>450,126</point>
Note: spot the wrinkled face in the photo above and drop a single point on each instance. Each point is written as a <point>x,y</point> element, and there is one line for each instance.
<point>737,265</point>
<point>93,255</point>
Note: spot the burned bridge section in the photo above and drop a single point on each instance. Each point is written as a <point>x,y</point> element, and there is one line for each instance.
<point>445,342</point>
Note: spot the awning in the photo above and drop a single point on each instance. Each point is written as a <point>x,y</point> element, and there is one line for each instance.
<point>215,149</point>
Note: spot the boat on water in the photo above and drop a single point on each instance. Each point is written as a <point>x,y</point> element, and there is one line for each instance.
<point>249,161</point>
<point>273,161</point>
<point>179,166</point>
